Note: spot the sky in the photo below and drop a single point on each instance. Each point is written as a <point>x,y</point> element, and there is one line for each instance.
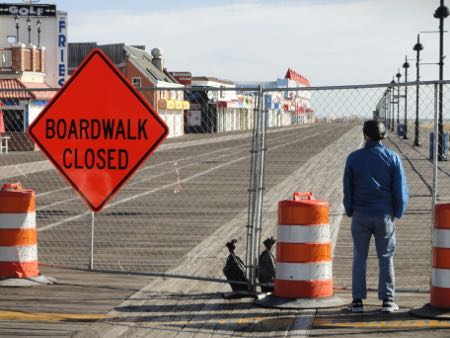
<point>331,42</point>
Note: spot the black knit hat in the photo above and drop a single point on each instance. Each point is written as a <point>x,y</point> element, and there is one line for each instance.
<point>374,129</point>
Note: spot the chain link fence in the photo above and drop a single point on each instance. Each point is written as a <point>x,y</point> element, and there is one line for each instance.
<point>231,155</point>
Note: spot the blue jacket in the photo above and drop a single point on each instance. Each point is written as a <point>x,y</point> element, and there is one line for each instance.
<point>375,181</point>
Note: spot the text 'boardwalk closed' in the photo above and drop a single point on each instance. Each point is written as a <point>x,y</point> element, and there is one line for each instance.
<point>95,129</point>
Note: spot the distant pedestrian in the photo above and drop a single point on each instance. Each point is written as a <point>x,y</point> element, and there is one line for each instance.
<point>375,193</point>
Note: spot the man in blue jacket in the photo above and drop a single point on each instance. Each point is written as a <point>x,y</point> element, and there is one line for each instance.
<point>375,192</point>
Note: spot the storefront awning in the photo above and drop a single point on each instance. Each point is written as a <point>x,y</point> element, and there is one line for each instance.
<point>24,90</point>
<point>173,104</point>
<point>41,95</point>
<point>9,84</point>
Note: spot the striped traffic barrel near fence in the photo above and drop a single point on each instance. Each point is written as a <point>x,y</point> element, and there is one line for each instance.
<point>18,236</point>
<point>304,249</point>
<point>440,272</point>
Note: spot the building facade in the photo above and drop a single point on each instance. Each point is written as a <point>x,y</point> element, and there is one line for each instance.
<point>21,99</point>
<point>215,106</point>
<point>292,106</point>
<point>146,72</point>
<point>33,56</point>
<point>39,27</point>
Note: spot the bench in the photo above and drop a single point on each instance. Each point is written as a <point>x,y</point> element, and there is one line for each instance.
<point>4,144</point>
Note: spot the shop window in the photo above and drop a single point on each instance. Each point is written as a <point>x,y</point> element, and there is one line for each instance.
<point>14,120</point>
<point>136,81</point>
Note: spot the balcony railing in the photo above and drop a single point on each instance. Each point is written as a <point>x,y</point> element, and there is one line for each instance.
<point>5,59</point>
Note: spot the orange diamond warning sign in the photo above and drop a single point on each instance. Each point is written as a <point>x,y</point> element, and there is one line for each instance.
<point>97,130</point>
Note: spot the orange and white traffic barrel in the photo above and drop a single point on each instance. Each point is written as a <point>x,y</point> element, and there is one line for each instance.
<point>18,236</point>
<point>304,249</point>
<point>440,272</point>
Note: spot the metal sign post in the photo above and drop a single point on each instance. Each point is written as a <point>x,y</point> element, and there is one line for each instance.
<point>91,263</point>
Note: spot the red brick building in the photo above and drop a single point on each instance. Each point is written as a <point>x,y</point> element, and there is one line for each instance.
<point>146,72</point>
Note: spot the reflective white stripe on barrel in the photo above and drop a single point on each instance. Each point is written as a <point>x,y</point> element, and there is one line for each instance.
<point>18,221</point>
<point>440,278</point>
<point>304,271</point>
<point>304,233</point>
<point>18,253</point>
<point>441,238</point>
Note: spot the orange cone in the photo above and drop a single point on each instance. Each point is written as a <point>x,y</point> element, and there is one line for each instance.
<point>304,249</point>
<point>18,236</point>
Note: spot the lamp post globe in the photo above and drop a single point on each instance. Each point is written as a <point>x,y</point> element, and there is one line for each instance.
<point>442,12</point>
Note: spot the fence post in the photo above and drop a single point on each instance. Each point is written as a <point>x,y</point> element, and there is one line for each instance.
<point>435,152</point>
<point>262,112</point>
<point>256,193</point>
<point>438,308</point>
<point>249,259</point>
<point>91,262</point>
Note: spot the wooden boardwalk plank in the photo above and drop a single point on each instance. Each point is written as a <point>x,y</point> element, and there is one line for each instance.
<point>208,258</point>
<point>184,308</point>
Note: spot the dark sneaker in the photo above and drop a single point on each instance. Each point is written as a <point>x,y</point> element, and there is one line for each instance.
<point>356,306</point>
<point>389,306</point>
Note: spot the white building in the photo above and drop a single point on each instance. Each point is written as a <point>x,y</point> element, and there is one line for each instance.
<point>291,106</point>
<point>163,92</point>
<point>36,26</point>
<point>217,107</point>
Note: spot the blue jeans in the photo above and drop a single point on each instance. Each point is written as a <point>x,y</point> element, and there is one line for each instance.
<point>383,229</point>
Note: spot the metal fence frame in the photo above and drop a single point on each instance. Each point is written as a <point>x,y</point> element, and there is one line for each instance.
<point>255,213</point>
<point>258,157</point>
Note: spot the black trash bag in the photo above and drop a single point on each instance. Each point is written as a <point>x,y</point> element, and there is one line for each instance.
<point>266,265</point>
<point>234,269</point>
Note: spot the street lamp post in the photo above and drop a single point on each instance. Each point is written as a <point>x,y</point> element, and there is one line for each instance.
<point>38,24</point>
<point>417,47</point>
<point>385,106</point>
<point>398,76</point>
<point>392,106</point>
<point>16,19</point>
<point>29,30</point>
<point>389,106</point>
<point>441,13</point>
<point>406,66</point>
